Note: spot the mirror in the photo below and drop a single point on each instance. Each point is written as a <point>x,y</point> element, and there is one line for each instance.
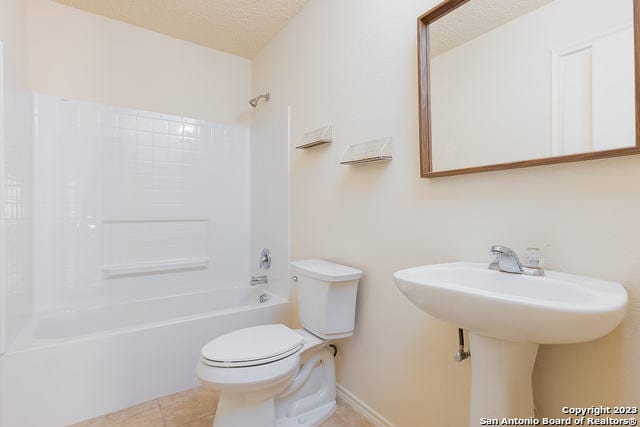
<point>516,83</point>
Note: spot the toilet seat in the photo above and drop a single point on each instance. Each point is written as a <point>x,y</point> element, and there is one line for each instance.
<point>253,346</point>
<point>250,379</point>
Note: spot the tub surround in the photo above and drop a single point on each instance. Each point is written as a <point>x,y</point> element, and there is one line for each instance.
<point>131,204</point>
<point>269,189</point>
<point>16,172</point>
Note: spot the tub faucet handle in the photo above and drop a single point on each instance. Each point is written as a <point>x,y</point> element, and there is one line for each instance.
<point>265,259</point>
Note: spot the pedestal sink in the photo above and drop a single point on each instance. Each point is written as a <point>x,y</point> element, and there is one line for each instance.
<point>508,316</point>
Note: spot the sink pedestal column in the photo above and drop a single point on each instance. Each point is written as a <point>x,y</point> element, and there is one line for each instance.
<point>500,378</point>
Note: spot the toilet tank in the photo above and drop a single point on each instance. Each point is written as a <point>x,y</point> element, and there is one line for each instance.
<point>326,297</point>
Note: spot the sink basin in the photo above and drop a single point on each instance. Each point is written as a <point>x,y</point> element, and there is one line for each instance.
<point>557,308</point>
<point>508,316</point>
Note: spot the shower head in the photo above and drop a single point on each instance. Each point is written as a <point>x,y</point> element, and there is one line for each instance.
<point>254,101</point>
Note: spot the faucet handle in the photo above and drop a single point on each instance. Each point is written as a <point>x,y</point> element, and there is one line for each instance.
<point>533,258</point>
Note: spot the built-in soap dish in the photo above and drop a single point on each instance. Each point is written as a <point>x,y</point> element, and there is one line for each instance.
<point>149,267</point>
<point>365,152</point>
<point>316,137</point>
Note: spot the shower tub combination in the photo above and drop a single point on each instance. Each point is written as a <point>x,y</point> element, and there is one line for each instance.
<point>78,364</point>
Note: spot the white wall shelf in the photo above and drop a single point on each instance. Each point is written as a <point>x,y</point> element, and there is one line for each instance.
<point>365,152</point>
<point>116,270</point>
<point>316,137</point>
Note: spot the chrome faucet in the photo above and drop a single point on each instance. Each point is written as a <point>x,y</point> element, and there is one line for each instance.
<point>506,260</point>
<point>259,280</point>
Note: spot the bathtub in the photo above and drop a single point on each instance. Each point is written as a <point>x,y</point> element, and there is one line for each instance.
<point>73,365</point>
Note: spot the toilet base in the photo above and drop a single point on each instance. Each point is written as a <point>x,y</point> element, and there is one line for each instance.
<point>304,400</point>
<point>234,410</point>
<point>259,415</point>
<point>311,418</point>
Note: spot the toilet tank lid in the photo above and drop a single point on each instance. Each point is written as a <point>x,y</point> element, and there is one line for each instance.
<point>325,270</point>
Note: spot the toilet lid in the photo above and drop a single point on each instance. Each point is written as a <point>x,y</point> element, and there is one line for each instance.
<point>252,346</point>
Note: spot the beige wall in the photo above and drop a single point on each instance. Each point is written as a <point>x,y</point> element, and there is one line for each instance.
<point>353,64</point>
<point>84,56</point>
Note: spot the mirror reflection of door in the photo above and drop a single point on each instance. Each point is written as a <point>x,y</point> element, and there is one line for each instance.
<point>593,106</point>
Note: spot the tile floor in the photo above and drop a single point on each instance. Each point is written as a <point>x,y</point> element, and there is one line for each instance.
<point>196,408</point>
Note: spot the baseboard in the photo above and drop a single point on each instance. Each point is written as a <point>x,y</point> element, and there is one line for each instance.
<point>361,408</point>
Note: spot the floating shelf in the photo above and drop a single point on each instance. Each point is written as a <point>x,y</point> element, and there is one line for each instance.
<point>365,152</point>
<point>316,137</point>
<point>117,270</point>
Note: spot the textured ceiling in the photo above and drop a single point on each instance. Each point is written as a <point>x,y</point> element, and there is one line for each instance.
<point>241,27</point>
<point>474,19</point>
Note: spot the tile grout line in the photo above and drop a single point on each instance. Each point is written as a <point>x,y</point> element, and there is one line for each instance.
<point>197,419</point>
<point>164,423</point>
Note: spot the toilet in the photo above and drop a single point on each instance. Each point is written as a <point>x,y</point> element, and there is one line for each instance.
<point>271,375</point>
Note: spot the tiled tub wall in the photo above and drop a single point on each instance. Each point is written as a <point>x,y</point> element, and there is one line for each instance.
<point>135,204</point>
<point>16,175</point>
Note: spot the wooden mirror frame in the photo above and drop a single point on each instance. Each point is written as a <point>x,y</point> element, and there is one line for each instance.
<point>426,164</point>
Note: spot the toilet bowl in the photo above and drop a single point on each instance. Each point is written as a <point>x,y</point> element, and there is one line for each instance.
<point>258,390</point>
<point>274,376</point>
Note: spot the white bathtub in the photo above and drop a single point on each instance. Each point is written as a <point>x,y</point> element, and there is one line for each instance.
<point>78,364</point>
